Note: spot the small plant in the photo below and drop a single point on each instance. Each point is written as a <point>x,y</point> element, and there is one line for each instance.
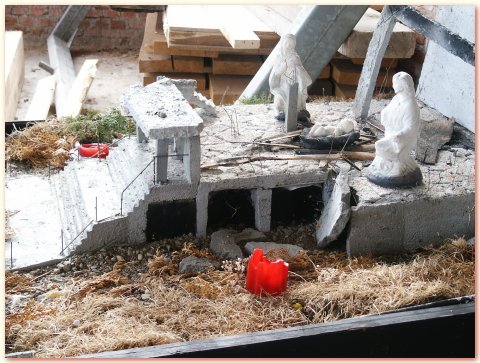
<point>264,98</point>
<point>99,127</point>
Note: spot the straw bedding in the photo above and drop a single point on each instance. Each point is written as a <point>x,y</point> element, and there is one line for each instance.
<point>111,311</point>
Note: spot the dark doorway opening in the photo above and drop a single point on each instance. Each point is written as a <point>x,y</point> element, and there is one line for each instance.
<point>170,219</point>
<point>298,206</point>
<point>230,209</point>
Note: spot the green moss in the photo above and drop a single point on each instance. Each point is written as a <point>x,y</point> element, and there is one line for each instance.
<point>99,127</point>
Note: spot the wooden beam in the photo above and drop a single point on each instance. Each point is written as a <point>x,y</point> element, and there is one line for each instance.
<point>81,85</point>
<point>373,60</point>
<point>14,72</point>
<point>42,99</point>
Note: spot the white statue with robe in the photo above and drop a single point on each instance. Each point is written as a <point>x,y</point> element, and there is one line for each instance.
<point>394,164</point>
<point>287,70</point>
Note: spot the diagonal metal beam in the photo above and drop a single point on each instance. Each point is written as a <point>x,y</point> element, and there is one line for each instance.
<point>67,26</point>
<point>371,66</point>
<point>436,32</point>
<point>320,30</point>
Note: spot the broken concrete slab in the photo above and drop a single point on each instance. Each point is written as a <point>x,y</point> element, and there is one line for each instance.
<point>224,243</point>
<point>336,210</point>
<point>292,250</point>
<point>435,131</point>
<point>193,264</point>
<point>161,111</point>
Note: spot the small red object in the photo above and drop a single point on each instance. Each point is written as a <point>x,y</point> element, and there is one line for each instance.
<point>93,150</point>
<point>265,277</point>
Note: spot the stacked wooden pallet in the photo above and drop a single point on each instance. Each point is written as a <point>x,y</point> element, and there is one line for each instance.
<point>347,65</point>
<point>195,42</point>
<point>223,46</point>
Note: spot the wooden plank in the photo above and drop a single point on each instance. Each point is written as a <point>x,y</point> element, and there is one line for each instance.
<point>14,72</point>
<point>386,62</point>
<point>402,43</point>
<point>227,89</point>
<point>321,87</point>
<point>200,78</point>
<point>42,99</point>
<point>414,333</point>
<point>150,62</point>
<point>276,21</point>
<point>346,73</point>
<point>325,72</point>
<point>189,64</point>
<point>349,92</point>
<point>192,25</point>
<point>243,65</point>
<point>236,25</point>
<point>81,85</point>
<point>160,46</point>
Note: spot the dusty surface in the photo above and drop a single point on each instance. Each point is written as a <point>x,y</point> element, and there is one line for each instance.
<point>115,73</point>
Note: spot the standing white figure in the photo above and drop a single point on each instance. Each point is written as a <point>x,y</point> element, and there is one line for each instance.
<point>287,70</point>
<point>394,166</point>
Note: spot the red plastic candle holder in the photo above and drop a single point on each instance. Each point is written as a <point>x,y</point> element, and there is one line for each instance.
<point>265,277</point>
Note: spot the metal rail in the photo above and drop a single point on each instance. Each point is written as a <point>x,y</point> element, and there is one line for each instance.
<point>78,235</point>
<point>129,184</point>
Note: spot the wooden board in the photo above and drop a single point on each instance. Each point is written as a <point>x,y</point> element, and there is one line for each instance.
<point>81,85</point>
<point>321,87</point>
<point>189,64</point>
<point>194,26</point>
<point>42,99</point>
<point>228,88</point>
<point>348,92</point>
<point>14,72</point>
<point>325,73</point>
<point>386,62</point>
<point>200,78</point>
<point>150,62</point>
<point>346,73</point>
<point>243,65</point>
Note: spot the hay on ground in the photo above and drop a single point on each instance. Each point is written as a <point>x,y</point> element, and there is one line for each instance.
<point>214,304</point>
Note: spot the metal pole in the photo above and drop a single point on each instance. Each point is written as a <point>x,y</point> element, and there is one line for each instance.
<point>96,210</point>
<point>154,172</point>
<point>61,238</point>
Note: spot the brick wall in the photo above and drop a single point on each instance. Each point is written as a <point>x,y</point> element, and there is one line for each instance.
<point>102,28</point>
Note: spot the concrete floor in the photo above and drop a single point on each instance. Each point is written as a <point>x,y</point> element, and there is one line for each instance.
<point>116,71</point>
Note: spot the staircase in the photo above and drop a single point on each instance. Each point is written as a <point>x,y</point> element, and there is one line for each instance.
<point>89,194</point>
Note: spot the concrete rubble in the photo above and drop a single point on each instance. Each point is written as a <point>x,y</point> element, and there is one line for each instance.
<point>292,250</point>
<point>225,242</point>
<point>192,264</point>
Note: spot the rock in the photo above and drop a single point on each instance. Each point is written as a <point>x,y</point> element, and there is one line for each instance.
<point>193,264</point>
<point>76,323</point>
<point>224,242</point>
<point>67,266</point>
<point>139,257</point>
<point>336,212</point>
<point>434,133</point>
<point>471,241</point>
<point>145,296</point>
<point>120,258</point>
<point>269,246</point>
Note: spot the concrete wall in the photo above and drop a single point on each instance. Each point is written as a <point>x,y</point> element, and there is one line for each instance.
<point>447,83</point>
<point>102,28</point>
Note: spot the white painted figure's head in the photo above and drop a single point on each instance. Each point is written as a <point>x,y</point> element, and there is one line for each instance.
<point>289,41</point>
<point>403,83</point>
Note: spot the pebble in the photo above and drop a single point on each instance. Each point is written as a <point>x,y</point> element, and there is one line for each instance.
<point>76,323</point>
<point>139,257</point>
<point>145,296</point>
<point>120,258</point>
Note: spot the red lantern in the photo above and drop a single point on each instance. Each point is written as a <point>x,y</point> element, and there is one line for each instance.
<point>265,277</point>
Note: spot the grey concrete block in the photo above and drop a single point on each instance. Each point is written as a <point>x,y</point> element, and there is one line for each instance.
<point>193,264</point>
<point>293,250</point>
<point>406,226</point>
<point>161,161</point>
<point>336,210</point>
<point>191,161</point>
<point>262,204</point>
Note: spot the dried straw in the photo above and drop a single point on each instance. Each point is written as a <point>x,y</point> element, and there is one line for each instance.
<point>213,304</point>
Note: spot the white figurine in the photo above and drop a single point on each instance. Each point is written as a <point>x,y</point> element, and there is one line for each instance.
<point>394,166</point>
<point>287,70</point>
